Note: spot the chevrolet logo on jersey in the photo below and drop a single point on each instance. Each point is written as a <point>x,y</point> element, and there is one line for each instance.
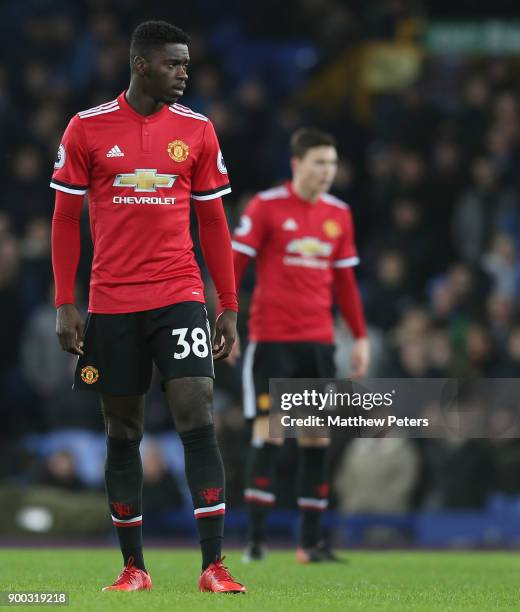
<point>309,247</point>
<point>145,180</point>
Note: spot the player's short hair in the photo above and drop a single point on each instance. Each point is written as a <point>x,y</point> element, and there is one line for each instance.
<point>307,138</point>
<point>153,34</point>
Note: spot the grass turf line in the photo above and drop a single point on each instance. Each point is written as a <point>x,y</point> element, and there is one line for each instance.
<point>369,581</point>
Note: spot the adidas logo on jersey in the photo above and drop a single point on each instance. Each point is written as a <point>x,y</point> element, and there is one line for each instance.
<point>290,225</point>
<point>115,151</point>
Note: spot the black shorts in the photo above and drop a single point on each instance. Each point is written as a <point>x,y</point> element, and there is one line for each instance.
<point>265,360</point>
<point>119,349</point>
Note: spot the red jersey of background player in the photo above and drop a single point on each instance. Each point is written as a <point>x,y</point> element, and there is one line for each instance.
<point>297,245</point>
<point>140,173</point>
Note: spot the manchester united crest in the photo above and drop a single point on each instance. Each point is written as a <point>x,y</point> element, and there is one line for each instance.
<point>332,228</point>
<point>263,402</point>
<point>178,150</point>
<point>89,375</point>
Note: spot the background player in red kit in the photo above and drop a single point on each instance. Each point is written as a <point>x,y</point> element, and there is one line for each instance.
<point>302,239</point>
<point>142,158</point>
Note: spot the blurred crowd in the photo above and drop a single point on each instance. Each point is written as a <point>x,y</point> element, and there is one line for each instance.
<point>429,170</point>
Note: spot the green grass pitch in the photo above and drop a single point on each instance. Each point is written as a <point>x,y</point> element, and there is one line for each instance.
<point>368,581</point>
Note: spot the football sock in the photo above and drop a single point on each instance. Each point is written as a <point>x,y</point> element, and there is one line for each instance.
<point>259,491</point>
<point>313,492</point>
<point>206,479</point>
<point>124,484</point>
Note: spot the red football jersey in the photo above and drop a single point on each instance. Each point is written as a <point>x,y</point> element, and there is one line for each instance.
<point>140,173</point>
<point>296,245</point>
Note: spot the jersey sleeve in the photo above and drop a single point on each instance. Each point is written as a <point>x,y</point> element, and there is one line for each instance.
<point>72,165</point>
<point>346,254</point>
<point>210,178</point>
<point>250,232</point>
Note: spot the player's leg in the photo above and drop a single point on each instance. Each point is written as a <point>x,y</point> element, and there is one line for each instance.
<point>181,346</point>
<point>260,482</point>
<point>116,365</point>
<point>124,472</point>
<point>261,362</point>
<point>317,361</point>
<point>313,492</point>
<point>190,401</point>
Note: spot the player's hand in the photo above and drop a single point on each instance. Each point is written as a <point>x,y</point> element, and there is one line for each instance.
<point>360,358</point>
<point>70,329</point>
<point>225,334</point>
<point>233,357</point>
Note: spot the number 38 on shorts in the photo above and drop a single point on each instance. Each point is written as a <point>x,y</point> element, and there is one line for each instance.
<point>196,342</point>
<point>121,348</point>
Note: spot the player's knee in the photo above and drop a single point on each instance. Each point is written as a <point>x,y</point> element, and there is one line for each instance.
<point>261,431</point>
<point>313,442</point>
<point>196,410</point>
<point>124,416</point>
<point>124,428</point>
<point>198,417</point>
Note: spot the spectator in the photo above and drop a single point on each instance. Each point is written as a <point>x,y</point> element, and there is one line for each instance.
<point>160,490</point>
<point>377,476</point>
<point>500,263</point>
<point>49,371</point>
<point>59,471</point>
<point>460,473</point>
<point>11,303</point>
<point>477,212</point>
<point>390,288</point>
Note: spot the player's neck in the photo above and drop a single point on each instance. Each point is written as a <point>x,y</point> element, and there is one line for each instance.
<point>303,193</point>
<point>141,102</point>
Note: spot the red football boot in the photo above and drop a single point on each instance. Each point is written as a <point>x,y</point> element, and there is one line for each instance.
<point>131,579</point>
<point>217,579</point>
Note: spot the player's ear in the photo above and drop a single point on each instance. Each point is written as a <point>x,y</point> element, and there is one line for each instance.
<point>295,162</point>
<point>139,65</point>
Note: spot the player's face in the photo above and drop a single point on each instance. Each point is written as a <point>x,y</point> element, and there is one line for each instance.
<point>167,72</point>
<point>317,168</point>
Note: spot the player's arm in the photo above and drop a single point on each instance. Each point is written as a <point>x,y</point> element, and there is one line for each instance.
<point>240,264</point>
<point>248,237</point>
<point>209,183</point>
<point>215,242</point>
<point>247,240</point>
<point>350,305</point>
<point>70,180</point>
<point>65,246</point>
<point>348,297</point>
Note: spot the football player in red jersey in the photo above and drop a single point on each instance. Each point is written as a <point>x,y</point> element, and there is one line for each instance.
<point>142,158</point>
<point>302,239</point>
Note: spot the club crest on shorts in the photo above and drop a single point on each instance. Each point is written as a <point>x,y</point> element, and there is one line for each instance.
<point>89,375</point>
<point>178,150</point>
<point>332,228</point>
<point>263,401</point>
